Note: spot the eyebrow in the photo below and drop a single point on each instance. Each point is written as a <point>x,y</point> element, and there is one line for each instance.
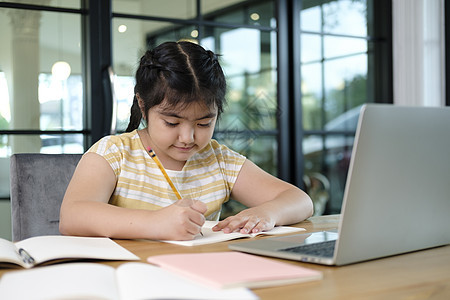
<point>174,115</point>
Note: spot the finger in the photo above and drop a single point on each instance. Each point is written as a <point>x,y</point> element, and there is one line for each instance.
<point>254,225</point>
<point>262,225</point>
<point>197,218</point>
<point>199,206</point>
<point>193,229</point>
<point>236,224</point>
<point>191,226</point>
<point>221,224</point>
<point>224,225</point>
<point>250,226</point>
<point>185,202</point>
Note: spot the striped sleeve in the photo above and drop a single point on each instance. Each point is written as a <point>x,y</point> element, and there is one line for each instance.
<point>109,149</point>
<point>230,162</point>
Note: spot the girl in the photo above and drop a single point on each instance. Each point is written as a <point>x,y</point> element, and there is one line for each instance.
<point>118,190</point>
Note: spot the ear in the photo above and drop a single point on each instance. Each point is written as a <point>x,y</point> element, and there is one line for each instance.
<point>141,106</point>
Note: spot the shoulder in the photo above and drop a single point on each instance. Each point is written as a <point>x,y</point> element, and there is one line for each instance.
<point>128,140</point>
<point>118,146</point>
<point>119,149</point>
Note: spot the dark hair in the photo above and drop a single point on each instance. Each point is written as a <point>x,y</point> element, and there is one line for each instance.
<point>180,73</point>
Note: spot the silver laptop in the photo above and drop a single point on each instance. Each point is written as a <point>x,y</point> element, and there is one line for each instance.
<point>397,194</point>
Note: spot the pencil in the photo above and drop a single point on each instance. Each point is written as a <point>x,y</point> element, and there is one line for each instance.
<point>161,167</point>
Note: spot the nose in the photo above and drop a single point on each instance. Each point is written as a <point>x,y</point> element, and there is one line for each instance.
<point>186,135</point>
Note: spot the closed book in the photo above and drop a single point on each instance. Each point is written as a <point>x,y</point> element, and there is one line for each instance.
<point>234,269</point>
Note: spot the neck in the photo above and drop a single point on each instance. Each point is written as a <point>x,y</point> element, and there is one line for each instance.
<point>167,162</point>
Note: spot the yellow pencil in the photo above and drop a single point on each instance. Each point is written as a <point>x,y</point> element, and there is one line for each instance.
<point>161,167</point>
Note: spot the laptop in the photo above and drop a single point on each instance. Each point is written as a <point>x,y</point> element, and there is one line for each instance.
<point>397,193</point>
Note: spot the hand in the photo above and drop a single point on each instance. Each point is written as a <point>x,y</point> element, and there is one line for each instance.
<point>184,219</point>
<point>251,220</point>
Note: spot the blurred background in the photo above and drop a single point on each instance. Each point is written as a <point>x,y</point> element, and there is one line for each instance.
<point>298,72</point>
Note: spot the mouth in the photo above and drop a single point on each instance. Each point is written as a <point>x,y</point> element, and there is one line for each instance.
<point>184,148</point>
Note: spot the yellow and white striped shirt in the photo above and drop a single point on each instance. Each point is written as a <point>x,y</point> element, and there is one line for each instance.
<point>209,175</point>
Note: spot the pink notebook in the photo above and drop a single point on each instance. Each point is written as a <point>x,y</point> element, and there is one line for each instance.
<point>234,269</point>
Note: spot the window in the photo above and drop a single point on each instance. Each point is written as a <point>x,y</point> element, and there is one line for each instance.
<point>343,54</point>
<point>41,88</point>
<point>340,47</point>
<point>250,68</point>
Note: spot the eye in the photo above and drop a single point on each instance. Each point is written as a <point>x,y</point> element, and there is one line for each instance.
<point>170,124</point>
<point>204,125</point>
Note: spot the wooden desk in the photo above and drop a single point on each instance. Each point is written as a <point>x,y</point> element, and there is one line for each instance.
<point>418,275</point>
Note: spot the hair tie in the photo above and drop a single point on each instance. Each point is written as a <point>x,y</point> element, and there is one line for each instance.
<point>212,56</point>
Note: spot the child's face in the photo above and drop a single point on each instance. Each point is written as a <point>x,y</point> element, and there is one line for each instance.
<point>177,133</point>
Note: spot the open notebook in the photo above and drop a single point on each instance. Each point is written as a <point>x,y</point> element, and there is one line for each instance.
<point>48,249</point>
<point>209,236</point>
<point>129,281</point>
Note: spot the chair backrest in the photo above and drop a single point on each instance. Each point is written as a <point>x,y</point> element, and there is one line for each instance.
<point>38,183</point>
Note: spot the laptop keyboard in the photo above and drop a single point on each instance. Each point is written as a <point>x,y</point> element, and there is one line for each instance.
<point>323,249</point>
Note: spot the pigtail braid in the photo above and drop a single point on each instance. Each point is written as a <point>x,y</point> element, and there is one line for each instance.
<point>135,117</point>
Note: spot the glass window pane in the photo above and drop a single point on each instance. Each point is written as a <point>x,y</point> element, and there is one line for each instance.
<point>234,17</point>
<point>311,19</point>
<point>311,47</point>
<point>262,14</point>
<point>43,143</point>
<point>251,78</point>
<point>5,108</point>
<point>326,163</point>
<point>60,102</point>
<point>180,9</point>
<point>345,17</point>
<point>346,84</point>
<point>312,96</point>
<point>54,3</point>
<point>124,92</point>
<point>245,58</point>
<point>129,43</point>
<point>239,12</point>
<point>341,46</point>
<point>260,149</point>
<point>256,52</point>
<point>62,143</point>
<point>252,105</point>
<point>40,73</point>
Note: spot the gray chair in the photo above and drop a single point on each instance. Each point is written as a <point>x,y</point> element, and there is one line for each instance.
<point>38,183</point>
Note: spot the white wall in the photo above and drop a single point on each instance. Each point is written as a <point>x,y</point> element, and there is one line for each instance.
<point>418,52</point>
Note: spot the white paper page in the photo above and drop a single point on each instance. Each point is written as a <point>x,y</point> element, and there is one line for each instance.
<point>137,281</point>
<point>66,281</point>
<point>210,236</point>
<point>44,248</point>
<point>8,252</point>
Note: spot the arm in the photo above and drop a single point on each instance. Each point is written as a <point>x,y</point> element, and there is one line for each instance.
<point>85,210</point>
<point>271,202</point>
